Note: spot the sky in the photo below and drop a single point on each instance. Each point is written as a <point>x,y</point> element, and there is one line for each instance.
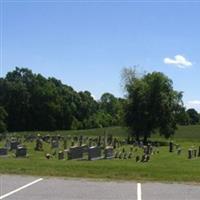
<point>86,44</point>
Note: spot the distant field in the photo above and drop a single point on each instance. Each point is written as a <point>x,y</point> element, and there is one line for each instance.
<point>163,166</point>
<point>191,132</point>
<point>115,131</point>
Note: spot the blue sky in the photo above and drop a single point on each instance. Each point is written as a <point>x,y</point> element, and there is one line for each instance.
<point>87,44</point>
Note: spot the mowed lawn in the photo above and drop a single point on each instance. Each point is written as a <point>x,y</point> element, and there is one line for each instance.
<point>163,166</point>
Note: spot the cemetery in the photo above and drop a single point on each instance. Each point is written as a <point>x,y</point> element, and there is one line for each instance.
<point>102,154</point>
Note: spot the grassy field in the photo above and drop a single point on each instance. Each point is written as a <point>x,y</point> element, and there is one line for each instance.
<point>164,166</point>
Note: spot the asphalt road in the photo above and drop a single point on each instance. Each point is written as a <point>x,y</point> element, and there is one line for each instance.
<point>34,188</point>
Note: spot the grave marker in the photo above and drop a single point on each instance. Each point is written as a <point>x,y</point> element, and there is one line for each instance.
<point>94,153</point>
<point>109,152</point>
<point>3,151</point>
<point>21,152</point>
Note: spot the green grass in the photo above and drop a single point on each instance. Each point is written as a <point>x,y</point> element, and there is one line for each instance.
<point>164,166</point>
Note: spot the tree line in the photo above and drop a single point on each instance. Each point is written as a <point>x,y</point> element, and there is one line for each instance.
<point>31,102</point>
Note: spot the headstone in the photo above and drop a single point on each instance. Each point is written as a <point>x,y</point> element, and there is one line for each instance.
<point>130,155</point>
<point>75,153</point>
<point>54,144</point>
<point>125,155</point>
<point>39,145</point>
<point>65,143</point>
<point>171,147</point>
<point>72,143</point>
<point>179,151</point>
<point>3,151</point>
<point>94,153</point>
<point>199,152</point>
<point>80,140</point>
<point>195,153</point>
<point>189,153</point>
<point>120,155</point>
<point>99,141</point>
<point>21,152</point>
<point>109,152</point>
<point>46,138</point>
<point>116,154</point>
<point>60,155</point>
<point>137,158</point>
<point>13,145</point>
<point>143,158</point>
<point>48,156</point>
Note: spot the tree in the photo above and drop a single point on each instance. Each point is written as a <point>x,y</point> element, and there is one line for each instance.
<point>182,117</point>
<point>193,116</point>
<point>3,115</point>
<point>151,104</point>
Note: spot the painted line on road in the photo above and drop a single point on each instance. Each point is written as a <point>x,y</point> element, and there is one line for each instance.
<point>21,188</point>
<point>139,191</point>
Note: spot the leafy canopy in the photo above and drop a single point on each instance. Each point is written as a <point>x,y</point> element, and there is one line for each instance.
<point>151,104</point>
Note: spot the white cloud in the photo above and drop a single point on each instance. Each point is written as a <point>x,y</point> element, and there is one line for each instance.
<point>179,60</point>
<point>194,104</point>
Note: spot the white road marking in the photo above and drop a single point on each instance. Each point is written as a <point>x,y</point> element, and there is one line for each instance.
<point>21,188</point>
<point>139,191</point>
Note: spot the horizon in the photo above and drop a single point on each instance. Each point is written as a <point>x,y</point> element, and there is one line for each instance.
<point>87,44</point>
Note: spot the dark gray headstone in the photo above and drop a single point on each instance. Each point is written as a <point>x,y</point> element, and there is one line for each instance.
<point>94,153</point>
<point>60,155</point>
<point>39,145</point>
<point>109,153</point>
<point>3,151</point>
<point>171,147</point>
<point>13,145</point>
<point>54,144</point>
<point>190,153</point>
<point>21,152</point>
<point>75,153</point>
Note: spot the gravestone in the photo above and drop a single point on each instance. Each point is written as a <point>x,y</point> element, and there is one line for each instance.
<point>75,153</point>
<point>116,154</point>
<point>171,147</point>
<point>13,145</point>
<point>195,153</point>
<point>3,151</point>
<point>80,139</point>
<point>94,153</point>
<point>190,153</point>
<point>46,138</point>
<point>39,145</point>
<point>60,155</point>
<point>179,151</point>
<point>125,155</point>
<point>21,152</point>
<point>65,143</point>
<point>137,158</point>
<point>7,144</point>
<point>72,143</point>
<point>130,155</point>
<point>109,152</point>
<point>199,152</point>
<point>54,144</point>
<point>120,155</point>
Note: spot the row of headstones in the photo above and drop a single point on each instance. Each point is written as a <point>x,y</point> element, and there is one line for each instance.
<point>20,151</point>
<point>55,143</point>
<point>192,153</point>
<point>171,147</point>
<point>93,153</point>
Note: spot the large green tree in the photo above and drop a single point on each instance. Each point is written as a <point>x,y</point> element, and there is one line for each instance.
<point>3,115</point>
<point>151,104</point>
<point>193,116</point>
